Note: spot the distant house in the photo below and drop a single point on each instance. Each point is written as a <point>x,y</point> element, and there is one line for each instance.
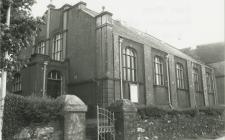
<point>214,56</point>
<point>100,60</point>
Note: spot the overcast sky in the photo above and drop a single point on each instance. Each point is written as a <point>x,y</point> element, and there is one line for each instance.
<point>181,23</point>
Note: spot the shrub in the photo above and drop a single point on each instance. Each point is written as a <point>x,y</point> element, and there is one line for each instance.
<point>151,111</point>
<point>21,111</point>
<point>178,124</point>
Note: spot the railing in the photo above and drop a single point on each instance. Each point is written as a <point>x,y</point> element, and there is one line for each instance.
<point>105,124</point>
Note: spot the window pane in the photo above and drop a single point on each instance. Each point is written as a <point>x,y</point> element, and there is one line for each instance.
<point>128,61</point>
<point>133,75</point>
<point>124,74</point>
<point>128,74</point>
<point>124,60</point>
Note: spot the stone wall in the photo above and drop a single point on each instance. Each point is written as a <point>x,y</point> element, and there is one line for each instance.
<point>50,131</point>
<point>72,127</point>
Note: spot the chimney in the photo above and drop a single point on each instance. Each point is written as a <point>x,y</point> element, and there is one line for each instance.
<point>50,5</point>
<point>81,5</point>
<point>103,18</point>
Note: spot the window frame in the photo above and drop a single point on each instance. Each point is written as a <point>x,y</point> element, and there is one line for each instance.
<point>180,79</point>
<point>17,83</point>
<point>197,79</point>
<point>41,49</point>
<point>209,83</point>
<point>57,47</point>
<point>58,75</point>
<point>158,69</point>
<point>129,64</point>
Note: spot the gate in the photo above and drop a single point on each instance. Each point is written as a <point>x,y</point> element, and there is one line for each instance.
<point>105,124</point>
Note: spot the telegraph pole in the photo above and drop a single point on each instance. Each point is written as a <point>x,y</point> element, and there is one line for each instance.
<point>4,77</point>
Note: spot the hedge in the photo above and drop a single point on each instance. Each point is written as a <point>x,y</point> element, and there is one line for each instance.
<point>154,111</point>
<point>163,124</point>
<point>21,111</point>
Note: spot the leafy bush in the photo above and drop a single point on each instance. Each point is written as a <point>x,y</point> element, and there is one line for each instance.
<point>178,124</point>
<point>151,111</point>
<point>154,111</point>
<point>21,111</point>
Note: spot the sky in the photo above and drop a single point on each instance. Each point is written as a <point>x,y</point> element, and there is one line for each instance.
<point>181,23</point>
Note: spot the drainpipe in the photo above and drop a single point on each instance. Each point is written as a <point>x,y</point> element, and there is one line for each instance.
<point>121,75</point>
<point>168,80</point>
<point>44,78</point>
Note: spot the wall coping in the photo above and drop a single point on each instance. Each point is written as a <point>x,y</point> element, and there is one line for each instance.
<point>123,105</point>
<point>72,103</point>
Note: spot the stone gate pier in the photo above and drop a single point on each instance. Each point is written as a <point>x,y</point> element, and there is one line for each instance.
<point>74,111</point>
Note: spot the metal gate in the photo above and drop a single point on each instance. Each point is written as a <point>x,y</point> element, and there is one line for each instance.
<point>105,124</point>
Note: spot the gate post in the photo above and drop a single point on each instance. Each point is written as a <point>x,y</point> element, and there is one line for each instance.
<point>74,111</point>
<point>125,116</point>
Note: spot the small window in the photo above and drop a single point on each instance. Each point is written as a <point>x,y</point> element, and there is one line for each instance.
<point>16,87</point>
<point>209,82</point>
<point>57,49</point>
<point>180,76</point>
<point>158,71</point>
<point>41,48</point>
<point>129,64</point>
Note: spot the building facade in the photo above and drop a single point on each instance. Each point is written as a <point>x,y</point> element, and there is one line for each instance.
<point>89,54</point>
<point>214,56</point>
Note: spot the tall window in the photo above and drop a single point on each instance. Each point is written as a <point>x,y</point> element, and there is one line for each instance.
<point>41,48</point>
<point>209,82</point>
<point>129,64</point>
<point>158,71</point>
<point>180,75</point>
<point>17,83</point>
<point>57,49</point>
<point>197,81</point>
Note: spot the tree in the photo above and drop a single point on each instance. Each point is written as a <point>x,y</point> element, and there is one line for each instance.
<point>22,30</point>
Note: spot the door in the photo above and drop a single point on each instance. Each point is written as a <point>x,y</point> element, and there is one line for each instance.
<point>54,84</point>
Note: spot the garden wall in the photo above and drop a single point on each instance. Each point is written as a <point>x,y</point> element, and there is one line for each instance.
<point>34,118</point>
<point>27,113</point>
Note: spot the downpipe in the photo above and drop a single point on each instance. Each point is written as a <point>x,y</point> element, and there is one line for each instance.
<point>168,81</point>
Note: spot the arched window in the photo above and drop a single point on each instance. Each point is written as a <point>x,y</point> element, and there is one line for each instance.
<point>129,64</point>
<point>158,71</point>
<point>54,84</point>
<point>180,75</point>
<point>16,87</point>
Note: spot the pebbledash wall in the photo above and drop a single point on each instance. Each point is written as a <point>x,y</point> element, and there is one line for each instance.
<point>89,54</point>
